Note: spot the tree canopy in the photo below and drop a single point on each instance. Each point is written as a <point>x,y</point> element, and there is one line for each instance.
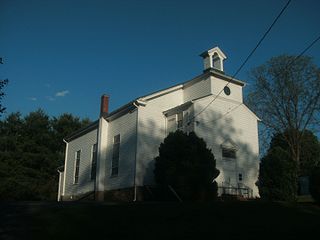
<point>286,95</point>
<point>31,149</point>
<point>186,164</point>
<point>278,174</point>
<point>315,184</point>
<point>310,150</point>
<point>3,83</point>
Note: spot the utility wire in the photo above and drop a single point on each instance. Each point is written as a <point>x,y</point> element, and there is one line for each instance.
<point>263,37</point>
<point>286,67</point>
<point>306,49</point>
<point>300,55</point>
<point>223,115</point>
<point>246,60</point>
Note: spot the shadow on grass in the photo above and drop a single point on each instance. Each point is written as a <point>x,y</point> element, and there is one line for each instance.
<point>228,220</point>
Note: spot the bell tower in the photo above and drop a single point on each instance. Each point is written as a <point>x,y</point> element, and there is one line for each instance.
<point>213,58</point>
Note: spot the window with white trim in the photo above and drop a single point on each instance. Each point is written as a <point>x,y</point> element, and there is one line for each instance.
<point>77,166</point>
<point>187,123</point>
<point>216,61</point>
<point>178,121</point>
<point>93,161</point>
<point>229,153</point>
<point>115,155</point>
<point>171,124</point>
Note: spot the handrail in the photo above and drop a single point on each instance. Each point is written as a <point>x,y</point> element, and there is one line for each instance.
<point>239,191</point>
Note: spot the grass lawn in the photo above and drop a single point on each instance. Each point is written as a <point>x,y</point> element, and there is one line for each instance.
<point>218,220</point>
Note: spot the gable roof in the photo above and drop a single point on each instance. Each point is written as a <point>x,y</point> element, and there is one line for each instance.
<point>213,50</point>
<point>178,108</point>
<point>141,101</point>
<point>209,72</point>
<point>82,131</point>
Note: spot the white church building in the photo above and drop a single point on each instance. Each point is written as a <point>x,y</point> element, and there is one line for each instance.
<point>113,158</point>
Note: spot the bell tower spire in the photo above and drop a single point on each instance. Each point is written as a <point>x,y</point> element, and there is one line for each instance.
<point>213,58</point>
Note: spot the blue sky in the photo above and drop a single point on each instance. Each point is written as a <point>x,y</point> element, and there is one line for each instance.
<point>62,55</point>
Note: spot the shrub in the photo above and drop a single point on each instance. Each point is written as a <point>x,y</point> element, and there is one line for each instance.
<point>315,184</point>
<point>278,178</point>
<point>186,164</point>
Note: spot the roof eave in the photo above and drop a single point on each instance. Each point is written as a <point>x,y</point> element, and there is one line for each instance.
<point>226,77</point>
<point>82,131</point>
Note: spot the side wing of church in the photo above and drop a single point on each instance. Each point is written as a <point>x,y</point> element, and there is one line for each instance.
<point>113,158</point>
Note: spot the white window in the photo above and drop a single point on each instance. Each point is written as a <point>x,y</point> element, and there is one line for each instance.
<point>187,123</point>
<point>180,121</point>
<point>77,167</point>
<point>171,124</point>
<point>115,156</point>
<point>229,153</point>
<point>93,161</point>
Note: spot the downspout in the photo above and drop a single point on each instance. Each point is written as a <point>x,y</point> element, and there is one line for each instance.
<point>59,185</point>
<point>135,160</point>
<point>65,168</point>
<point>95,174</point>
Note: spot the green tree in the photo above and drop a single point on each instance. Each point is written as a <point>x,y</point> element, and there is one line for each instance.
<point>186,164</point>
<point>279,171</point>
<point>310,150</point>
<point>315,184</point>
<point>64,125</point>
<point>31,149</point>
<point>286,95</point>
<point>278,176</point>
<point>3,83</point>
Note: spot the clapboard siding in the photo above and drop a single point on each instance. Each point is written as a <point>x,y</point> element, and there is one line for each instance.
<point>151,132</point>
<point>197,90</point>
<point>85,184</point>
<point>228,121</point>
<point>217,86</point>
<point>126,127</point>
<point>102,155</point>
<point>142,128</point>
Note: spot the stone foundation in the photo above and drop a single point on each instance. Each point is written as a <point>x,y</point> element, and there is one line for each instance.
<point>85,196</point>
<point>141,193</point>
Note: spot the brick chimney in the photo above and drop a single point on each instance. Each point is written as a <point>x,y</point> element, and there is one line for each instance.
<point>104,107</point>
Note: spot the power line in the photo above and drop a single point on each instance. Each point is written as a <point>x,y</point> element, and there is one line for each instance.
<point>263,37</point>
<point>306,49</point>
<point>297,57</point>
<point>286,67</point>
<point>226,113</point>
<point>246,60</point>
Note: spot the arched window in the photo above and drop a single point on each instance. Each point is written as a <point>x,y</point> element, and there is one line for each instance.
<point>216,61</point>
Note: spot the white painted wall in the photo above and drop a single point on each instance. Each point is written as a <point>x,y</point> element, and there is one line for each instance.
<point>85,184</point>
<point>240,125</point>
<point>217,126</point>
<point>197,90</point>
<point>60,186</point>
<point>151,132</point>
<point>126,127</point>
<point>225,119</point>
<point>218,84</point>
<point>206,63</point>
<point>102,153</point>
